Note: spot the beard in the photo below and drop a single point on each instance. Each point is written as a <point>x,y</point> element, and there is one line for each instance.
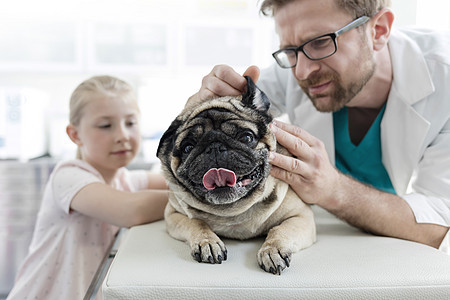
<point>364,68</point>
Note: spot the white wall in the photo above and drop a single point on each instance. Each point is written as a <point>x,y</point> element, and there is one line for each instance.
<point>424,13</point>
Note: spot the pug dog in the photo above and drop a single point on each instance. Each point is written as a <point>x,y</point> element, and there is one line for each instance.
<point>214,157</point>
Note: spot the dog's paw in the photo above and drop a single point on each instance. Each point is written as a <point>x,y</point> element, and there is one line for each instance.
<point>209,250</point>
<point>273,259</point>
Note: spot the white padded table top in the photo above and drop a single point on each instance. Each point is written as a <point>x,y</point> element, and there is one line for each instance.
<point>344,263</point>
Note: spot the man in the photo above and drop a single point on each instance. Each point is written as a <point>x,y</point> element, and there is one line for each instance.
<point>370,114</point>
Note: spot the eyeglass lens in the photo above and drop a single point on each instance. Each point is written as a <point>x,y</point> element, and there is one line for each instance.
<point>316,49</point>
<point>320,47</point>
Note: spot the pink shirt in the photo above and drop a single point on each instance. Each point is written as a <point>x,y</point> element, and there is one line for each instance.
<point>67,246</point>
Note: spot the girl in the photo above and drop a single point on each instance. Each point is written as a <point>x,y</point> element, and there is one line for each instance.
<point>87,199</point>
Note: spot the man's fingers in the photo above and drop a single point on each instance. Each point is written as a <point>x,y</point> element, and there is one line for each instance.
<point>205,94</point>
<point>213,87</point>
<point>226,81</point>
<point>280,173</point>
<point>297,132</point>
<point>287,167</point>
<point>294,144</point>
<point>253,72</point>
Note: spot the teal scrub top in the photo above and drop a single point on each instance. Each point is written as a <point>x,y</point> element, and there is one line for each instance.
<point>364,161</point>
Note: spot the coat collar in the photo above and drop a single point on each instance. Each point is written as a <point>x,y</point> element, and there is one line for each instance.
<point>412,80</point>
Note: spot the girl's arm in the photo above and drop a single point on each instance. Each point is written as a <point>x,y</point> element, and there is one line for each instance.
<point>123,209</point>
<point>156,181</point>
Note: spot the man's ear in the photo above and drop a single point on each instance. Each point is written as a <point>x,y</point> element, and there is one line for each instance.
<point>72,132</point>
<point>381,28</point>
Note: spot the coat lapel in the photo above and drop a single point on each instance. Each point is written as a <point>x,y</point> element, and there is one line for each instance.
<point>403,132</point>
<point>403,129</point>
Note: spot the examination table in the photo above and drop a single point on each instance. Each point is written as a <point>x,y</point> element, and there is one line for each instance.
<point>344,263</point>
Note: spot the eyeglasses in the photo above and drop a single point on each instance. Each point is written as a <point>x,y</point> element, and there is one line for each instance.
<point>317,48</point>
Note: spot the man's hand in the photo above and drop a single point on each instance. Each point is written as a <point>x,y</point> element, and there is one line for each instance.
<point>223,81</point>
<point>316,181</point>
<point>309,172</point>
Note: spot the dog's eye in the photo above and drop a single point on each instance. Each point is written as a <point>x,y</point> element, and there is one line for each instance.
<point>187,147</point>
<point>246,137</point>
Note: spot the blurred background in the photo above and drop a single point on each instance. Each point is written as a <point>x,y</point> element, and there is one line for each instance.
<point>162,48</point>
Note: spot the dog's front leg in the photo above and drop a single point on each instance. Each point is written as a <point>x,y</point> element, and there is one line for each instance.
<point>205,245</point>
<point>293,234</point>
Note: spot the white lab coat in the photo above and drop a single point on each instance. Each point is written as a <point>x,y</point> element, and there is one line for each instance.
<point>415,129</point>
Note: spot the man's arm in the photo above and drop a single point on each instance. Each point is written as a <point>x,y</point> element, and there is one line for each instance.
<point>317,181</point>
<point>381,213</point>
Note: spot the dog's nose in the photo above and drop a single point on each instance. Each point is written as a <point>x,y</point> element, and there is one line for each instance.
<point>216,148</point>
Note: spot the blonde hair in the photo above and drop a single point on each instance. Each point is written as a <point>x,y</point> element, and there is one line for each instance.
<point>93,87</point>
<point>356,8</point>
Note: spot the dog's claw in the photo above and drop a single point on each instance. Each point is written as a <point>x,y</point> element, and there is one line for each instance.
<point>287,261</point>
<point>209,252</point>
<point>273,259</point>
<point>262,266</point>
<point>279,269</point>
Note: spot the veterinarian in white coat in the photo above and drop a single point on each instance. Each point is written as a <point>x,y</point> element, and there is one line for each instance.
<point>396,82</point>
<point>415,129</point>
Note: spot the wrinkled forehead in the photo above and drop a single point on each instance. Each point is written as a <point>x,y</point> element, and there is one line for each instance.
<point>220,119</point>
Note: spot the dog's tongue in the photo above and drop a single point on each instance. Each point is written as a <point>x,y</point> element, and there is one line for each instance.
<point>218,178</point>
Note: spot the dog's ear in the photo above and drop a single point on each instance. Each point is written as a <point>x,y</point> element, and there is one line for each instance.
<point>167,140</point>
<point>254,97</point>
